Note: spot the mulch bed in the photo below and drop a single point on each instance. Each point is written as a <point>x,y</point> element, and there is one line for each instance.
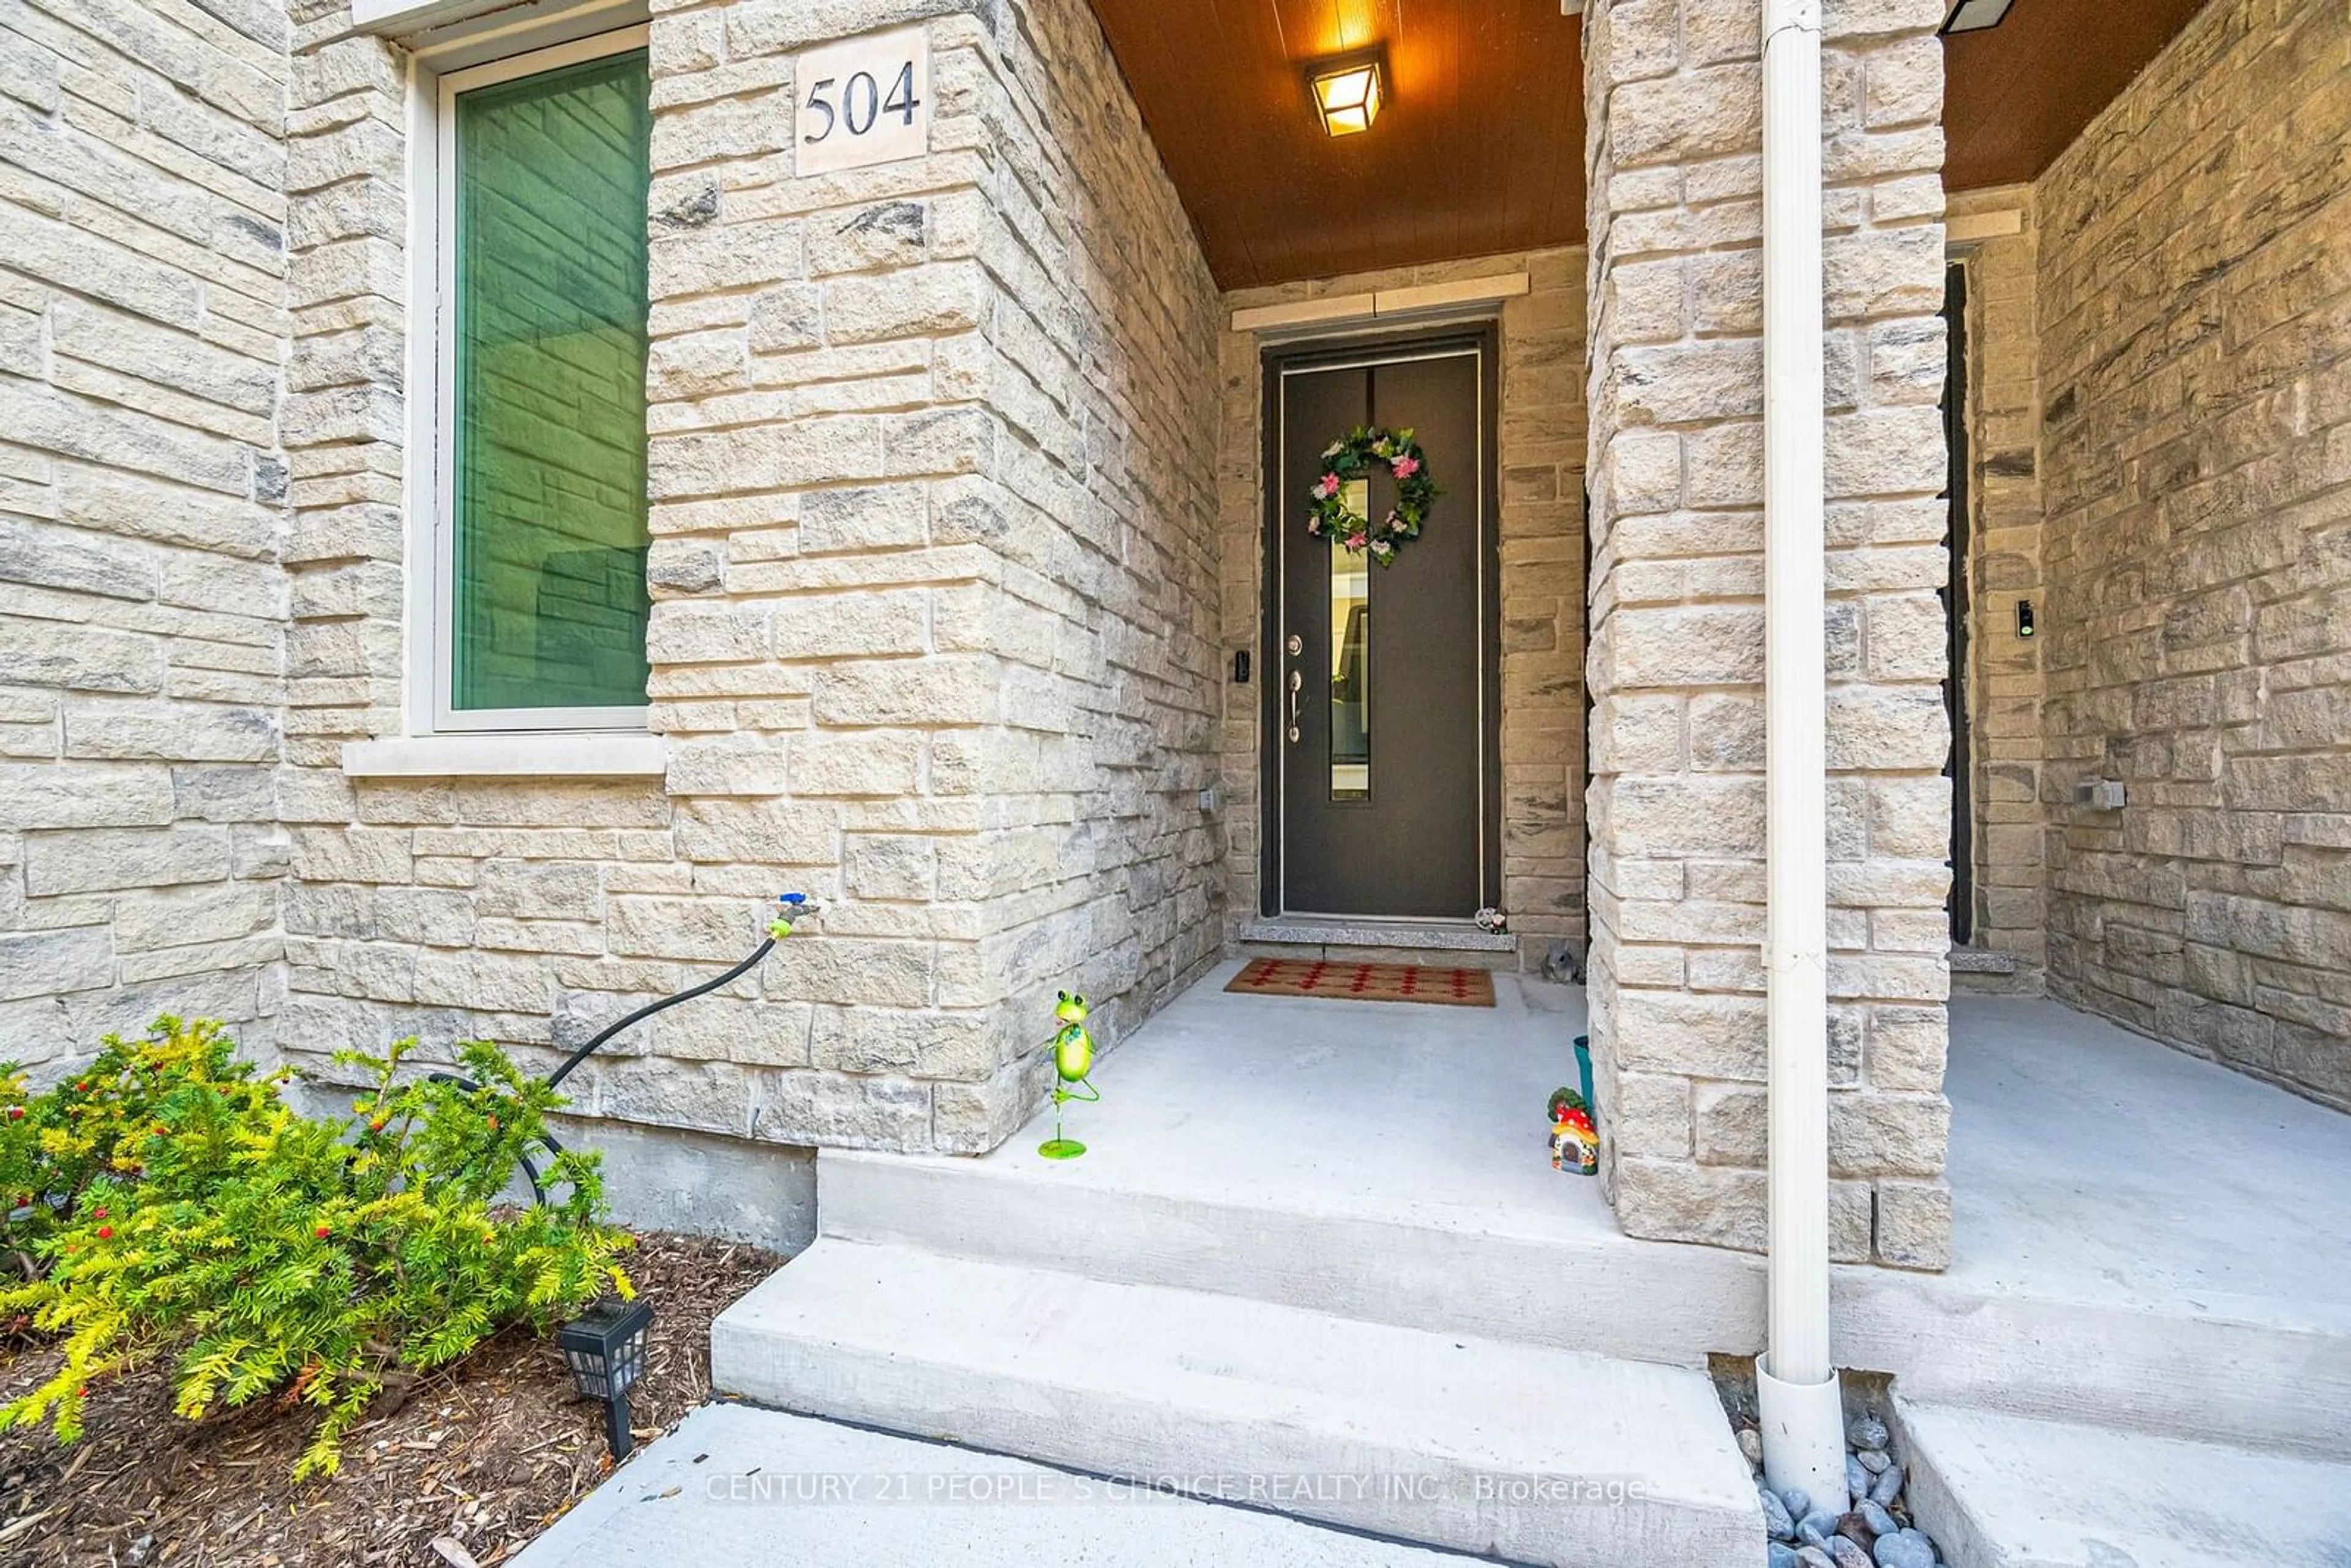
<point>482,1454</point>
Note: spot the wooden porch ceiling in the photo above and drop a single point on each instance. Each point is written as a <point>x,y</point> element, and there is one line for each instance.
<point>1479,148</point>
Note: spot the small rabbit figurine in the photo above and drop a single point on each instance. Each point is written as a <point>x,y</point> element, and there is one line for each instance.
<point>1073,1058</point>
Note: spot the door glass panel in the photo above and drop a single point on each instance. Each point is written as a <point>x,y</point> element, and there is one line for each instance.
<point>1351,691</point>
<point>550,602</point>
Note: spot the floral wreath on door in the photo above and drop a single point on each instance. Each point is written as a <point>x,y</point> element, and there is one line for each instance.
<point>1353,458</point>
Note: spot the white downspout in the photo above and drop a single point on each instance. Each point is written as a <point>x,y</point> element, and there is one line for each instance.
<point>1798,1400</point>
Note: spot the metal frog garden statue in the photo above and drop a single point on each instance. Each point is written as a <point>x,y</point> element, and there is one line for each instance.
<point>1073,1058</point>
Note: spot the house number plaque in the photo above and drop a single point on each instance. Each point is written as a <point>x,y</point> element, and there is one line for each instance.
<point>864,100</point>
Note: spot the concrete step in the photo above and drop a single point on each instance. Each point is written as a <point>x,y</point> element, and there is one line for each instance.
<point>1515,1451</point>
<point>2006,1491</point>
<point>1451,944</point>
<point>735,1485</point>
<point>1558,1274</point>
<point>1975,1338</point>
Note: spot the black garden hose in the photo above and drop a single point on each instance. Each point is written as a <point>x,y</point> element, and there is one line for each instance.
<point>795,909</point>
<point>588,1050</point>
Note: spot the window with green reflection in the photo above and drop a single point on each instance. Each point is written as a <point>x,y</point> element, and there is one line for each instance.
<point>548,600</point>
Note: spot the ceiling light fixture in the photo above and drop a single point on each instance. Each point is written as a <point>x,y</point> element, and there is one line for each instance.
<point>1347,93</point>
<point>1975,16</point>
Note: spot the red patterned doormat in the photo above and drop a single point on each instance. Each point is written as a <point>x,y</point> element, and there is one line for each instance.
<point>1364,982</point>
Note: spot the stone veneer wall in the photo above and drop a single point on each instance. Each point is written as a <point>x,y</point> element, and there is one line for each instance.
<point>2005,686</point>
<point>1541,448</point>
<point>2195,302</point>
<point>932,461</point>
<point>1673,90</point>
<point>141,608</point>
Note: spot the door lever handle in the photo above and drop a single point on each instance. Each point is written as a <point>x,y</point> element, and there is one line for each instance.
<point>1297,686</point>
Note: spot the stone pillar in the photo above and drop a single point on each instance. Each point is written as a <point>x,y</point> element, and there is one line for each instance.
<point>1674,94</point>
<point>932,467</point>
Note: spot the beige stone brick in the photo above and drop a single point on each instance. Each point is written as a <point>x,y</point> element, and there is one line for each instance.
<point>943,689</point>
<point>787,317</point>
<point>1691,383</point>
<point>1730,1126</point>
<point>873,519</point>
<point>708,1096</point>
<point>1692,646</point>
<point>50,963</point>
<point>1652,1112</point>
<point>1905,636</point>
<point>1670,1200</point>
<point>701,633</point>
<point>1913,1224</point>
<point>741,764</point>
<point>880,762</point>
<point>892,866</point>
<point>853,625</point>
<point>970,1117</point>
<point>1689,814</point>
<point>1698,1036</point>
<point>845,1111</point>
<point>931,301</point>
<point>463,979</point>
<point>1641,471</point>
<point>1886,273</point>
<point>1693,115</point>
<point>1647,302</point>
<point>698,364</point>
<point>1888,1135</point>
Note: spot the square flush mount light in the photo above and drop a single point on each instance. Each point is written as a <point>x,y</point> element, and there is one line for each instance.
<point>1347,94</point>
<point>1975,16</point>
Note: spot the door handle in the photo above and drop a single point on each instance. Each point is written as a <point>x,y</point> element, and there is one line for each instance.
<point>1297,686</point>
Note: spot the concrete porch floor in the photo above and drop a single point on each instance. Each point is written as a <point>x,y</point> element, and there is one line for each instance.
<point>2093,1163</point>
<point>2086,1163</point>
<point>2136,1232</point>
<point>1398,1109</point>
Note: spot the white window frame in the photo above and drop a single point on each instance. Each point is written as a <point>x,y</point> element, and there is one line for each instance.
<point>433,396</point>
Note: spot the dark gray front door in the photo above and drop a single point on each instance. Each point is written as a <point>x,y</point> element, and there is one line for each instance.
<point>1380,677</point>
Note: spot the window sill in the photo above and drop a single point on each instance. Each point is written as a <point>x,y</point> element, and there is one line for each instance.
<point>409,18</point>
<point>509,756</point>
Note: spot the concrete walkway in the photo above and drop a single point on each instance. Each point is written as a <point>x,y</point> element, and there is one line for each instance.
<point>734,1485</point>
